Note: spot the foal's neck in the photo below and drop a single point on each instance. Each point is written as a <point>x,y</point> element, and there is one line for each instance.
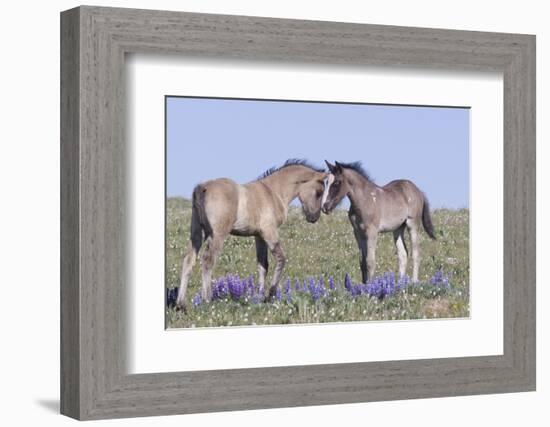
<point>285,183</point>
<point>359,187</point>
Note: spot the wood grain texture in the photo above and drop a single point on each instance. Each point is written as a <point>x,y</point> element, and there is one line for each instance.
<point>94,382</point>
<point>70,258</point>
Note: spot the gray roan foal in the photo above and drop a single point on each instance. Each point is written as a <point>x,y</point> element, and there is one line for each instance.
<point>373,209</point>
<point>222,207</point>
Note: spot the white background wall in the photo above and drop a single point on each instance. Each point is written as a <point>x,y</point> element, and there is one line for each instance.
<point>29,213</point>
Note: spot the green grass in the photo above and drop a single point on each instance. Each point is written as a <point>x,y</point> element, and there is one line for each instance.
<point>326,248</point>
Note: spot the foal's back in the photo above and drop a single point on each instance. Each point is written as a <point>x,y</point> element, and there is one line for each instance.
<point>240,209</point>
<point>388,207</point>
<point>403,190</point>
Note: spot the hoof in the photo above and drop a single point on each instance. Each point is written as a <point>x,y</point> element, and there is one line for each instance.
<point>181,307</point>
<point>270,299</point>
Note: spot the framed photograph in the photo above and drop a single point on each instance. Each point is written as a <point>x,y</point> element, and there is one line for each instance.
<point>318,276</point>
<point>262,213</point>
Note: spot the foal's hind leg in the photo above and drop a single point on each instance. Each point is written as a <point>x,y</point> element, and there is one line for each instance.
<point>413,227</point>
<point>399,240</point>
<point>261,256</point>
<point>187,267</point>
<point>189,260</point>
<point>214,245</point>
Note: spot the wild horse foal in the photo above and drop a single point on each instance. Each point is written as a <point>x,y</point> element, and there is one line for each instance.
<point>374,209</point>
<point>222,207</point>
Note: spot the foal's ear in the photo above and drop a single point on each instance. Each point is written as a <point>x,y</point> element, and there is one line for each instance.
<point>337,167</point>
<point>330,167</point>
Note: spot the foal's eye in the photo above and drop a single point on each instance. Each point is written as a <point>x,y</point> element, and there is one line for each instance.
<point>319,193</point>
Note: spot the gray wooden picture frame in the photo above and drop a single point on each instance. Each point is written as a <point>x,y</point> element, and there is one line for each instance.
<point>94,41</point>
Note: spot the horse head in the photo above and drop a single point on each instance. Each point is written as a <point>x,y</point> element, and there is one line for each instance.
<point>336,187</point>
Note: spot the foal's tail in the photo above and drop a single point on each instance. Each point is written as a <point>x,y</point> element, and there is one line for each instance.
<point>199,220</point>
<point>427,219</point>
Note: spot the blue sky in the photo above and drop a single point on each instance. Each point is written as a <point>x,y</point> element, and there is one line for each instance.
<point>239,139</point>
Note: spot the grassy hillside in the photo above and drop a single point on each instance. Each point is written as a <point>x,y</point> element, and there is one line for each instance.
<point>325,249</point>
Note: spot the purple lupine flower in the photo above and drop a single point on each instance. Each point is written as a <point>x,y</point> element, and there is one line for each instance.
<point>436,277</point>
<point>322,286</point>
<point>197,300</point>
<point>287,286</point>
<point>381,286</point>
<point>403,282</point>
<point>231,284</point>
<point>311,284</point>
<point>390,283</point>
<point>236,287</point>
<point>347,283</point>
<point>385,285</point>
<point>440,279</point>
<point>316,293</point>
<point>316,289</point>
<point>376,287</point>
<point>250,286</point>
<point>215,289</point>
<point>220,289</point>
<point>257,298</point>
<point>288,290</point>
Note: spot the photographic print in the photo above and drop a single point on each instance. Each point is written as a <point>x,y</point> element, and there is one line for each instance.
<point>286,212</point>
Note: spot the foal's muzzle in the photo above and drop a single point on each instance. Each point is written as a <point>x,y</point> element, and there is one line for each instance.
<point>326,208</point>
<point>311,218</point>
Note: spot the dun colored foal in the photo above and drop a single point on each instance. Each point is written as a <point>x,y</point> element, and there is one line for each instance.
<point>396,206</point>
<point>222,207</point>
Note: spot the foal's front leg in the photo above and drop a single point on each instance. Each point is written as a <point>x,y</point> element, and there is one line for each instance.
<point>362,244</point>
<point>272,240</point>
<point>372,239</point>
<point>361,239</point>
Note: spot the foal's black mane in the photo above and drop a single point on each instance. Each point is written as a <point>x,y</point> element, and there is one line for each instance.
<point>290,162</point>
<point>357,167</point>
